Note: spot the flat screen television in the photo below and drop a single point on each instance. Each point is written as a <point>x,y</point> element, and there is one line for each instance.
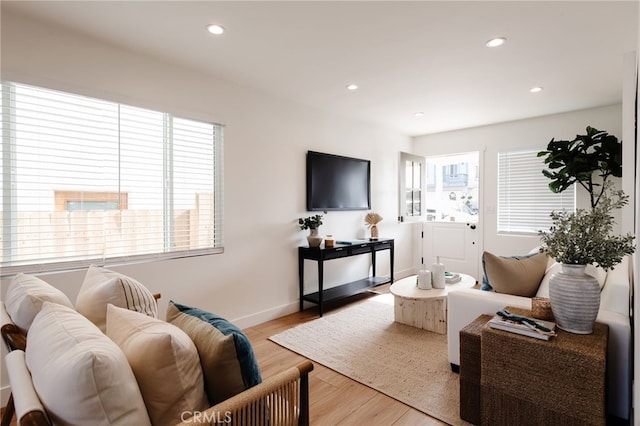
<point>335,182</point>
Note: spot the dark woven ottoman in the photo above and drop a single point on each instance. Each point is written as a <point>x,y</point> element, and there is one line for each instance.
<point>470,369</point>
<point>527,381</point>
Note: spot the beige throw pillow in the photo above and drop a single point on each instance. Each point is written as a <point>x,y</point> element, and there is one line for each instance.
<point>228,362</point>
<point>102,286</point>
<point>165,362</point>
<point>25,297</point>
<point>81,376</point>
<point>520,277</point>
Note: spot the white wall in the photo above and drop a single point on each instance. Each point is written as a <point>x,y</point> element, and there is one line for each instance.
<point>533,134</point>
<point>266,140</point>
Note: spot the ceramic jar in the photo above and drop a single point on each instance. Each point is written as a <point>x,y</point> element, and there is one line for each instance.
<point>575,299</point>
<point>313,238</point>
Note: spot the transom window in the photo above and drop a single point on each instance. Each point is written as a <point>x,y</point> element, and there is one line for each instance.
<point>90,181</point>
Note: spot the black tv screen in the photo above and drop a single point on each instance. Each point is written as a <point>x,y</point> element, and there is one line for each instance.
<point>337,183</point>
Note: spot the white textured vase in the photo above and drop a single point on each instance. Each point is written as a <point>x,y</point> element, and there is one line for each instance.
<point>437,274</point>
<point>313,238</point>
<point>424,279</point>
<point>575,299</point>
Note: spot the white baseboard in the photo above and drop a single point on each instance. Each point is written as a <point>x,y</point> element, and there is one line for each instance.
<point>290,308</point>
<point>267,315</point>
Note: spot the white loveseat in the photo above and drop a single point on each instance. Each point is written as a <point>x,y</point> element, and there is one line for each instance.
<point>466,305</point>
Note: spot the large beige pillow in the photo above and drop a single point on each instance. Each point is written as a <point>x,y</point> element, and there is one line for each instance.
<point>102,286</point>
<point>25,297</point>
<point>517,276</point>
<point>165,362</point>
<point>81,376</point>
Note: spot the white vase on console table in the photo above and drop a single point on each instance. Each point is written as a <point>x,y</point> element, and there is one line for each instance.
<point>313,238</point>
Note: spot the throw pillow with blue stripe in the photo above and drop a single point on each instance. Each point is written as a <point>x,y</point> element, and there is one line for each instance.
<point>228,362</point>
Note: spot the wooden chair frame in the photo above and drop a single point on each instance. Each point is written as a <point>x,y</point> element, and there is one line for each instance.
<point>280,400</point>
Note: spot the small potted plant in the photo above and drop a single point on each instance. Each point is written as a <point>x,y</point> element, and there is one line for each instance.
<point>312,223</point>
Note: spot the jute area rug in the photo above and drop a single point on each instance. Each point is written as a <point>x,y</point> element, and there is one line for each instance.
<point>363,343</point>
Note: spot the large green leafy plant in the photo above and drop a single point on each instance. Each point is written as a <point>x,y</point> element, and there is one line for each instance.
<point>578,161</point>
<point>586,236</point>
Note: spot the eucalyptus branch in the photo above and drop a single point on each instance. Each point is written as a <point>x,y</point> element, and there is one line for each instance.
<point>311,222</point>
<point>586,236</point>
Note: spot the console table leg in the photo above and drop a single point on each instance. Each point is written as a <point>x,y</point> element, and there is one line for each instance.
<point>391,262</point>
<point>301,279</point>
<point>320,280</point>
<point>373,262</point>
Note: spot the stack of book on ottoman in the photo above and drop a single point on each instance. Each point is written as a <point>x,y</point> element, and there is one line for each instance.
<point>507,321</point>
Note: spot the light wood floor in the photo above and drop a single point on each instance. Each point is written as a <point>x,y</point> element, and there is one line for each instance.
<point>334,398</point>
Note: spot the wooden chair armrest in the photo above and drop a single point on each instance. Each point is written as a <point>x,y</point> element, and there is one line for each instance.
<point>35,418</point>
<point>281,399</point>
<point>28,408</point>
<point>12,336</point>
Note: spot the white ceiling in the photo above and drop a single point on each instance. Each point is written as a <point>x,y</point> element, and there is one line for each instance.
<point>406,57</point>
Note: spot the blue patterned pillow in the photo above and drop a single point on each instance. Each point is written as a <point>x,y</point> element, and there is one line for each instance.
<point>228,362</point>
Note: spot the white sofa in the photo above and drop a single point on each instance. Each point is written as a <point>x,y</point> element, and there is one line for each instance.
<point>466,305</point>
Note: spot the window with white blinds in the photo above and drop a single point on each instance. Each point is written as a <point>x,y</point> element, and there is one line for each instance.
<point>524,198</point>
<point>89,181</point>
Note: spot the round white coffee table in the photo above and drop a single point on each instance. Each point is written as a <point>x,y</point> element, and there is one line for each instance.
<point>426,309</point>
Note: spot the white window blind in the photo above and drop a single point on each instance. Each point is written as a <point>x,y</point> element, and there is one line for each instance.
<point>524,198</point>
<point>89,181</point>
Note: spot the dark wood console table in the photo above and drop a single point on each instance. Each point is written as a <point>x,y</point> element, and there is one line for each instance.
<point>320,254</point>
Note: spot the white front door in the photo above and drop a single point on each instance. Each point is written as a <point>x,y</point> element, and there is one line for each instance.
<point>452,205</point>
<point>455,243</point>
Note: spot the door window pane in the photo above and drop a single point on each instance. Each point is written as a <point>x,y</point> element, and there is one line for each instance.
<point>411,191</point>
<point>453,188</point>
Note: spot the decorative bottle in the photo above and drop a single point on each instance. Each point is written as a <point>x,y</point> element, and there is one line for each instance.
<point>424,278</point>
<point>437,273</point>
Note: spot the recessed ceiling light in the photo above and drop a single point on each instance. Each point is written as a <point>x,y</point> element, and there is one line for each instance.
<point>495,42</point>
<point>419,114</point>
<point>535,89</point>
<point>352,86</point>
<point>215,29</point>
